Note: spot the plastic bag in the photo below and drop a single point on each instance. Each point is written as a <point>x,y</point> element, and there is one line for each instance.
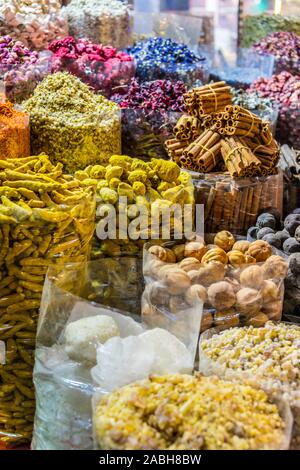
<point>35,233</point>
<point>64,386</point>
<point>207,366</point>
<point>234,204</point>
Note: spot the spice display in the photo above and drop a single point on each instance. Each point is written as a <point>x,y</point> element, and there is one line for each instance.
<point>236,287</point>
<point>163,58</point>
<point>256,27</point>
<point>267,356</point>
<point>150,186</point>
<point>285,47</point>
<point>242,418</point>
<point>33,23</point>
<point>45,217</point>
<point>149,112</point>
<point>71,124</point>
<point>105,22</point>
<point>262,107</point>
<point>285,91</point>
<point>20,68</point>
<point>233,136</point>
<point>103,68</point>
<point>234,204</point>
<point>14,132</point>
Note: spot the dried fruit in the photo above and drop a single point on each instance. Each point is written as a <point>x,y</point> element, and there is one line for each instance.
<point>269,291</point>
<point>176,280</point>
<point>291,246</point>
<point>275,268</point>
<point>224,240</point>
<point>241,245</point>
<point>195,250</point>
<point>264,231</point>
<point>291,222</point>
<point>164,254</point>
<point>221,295</point>
<point>266,220</point>
<point>260,250</point>
<point>195,293</point>
<point>226,318</point>
<point>236,258</point>
<point>252,277</point>
<point>249,302</point>
<point>179,251</point>
<point>216,254</point>
<point>189,264</point>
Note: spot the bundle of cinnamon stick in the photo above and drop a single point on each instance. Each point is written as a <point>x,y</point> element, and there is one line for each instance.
<point>208,99</point>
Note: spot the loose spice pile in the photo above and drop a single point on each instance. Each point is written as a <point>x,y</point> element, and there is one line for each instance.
<point>71,124</point>
<point>284,89</point>
<point>234,138</point>
<point>21,68</point>
<point>14,132</point>
<point>45,218</point>
<point>285,47</point>
<point>180,412</point>
<point>100,67</point>
<point>149,111</point>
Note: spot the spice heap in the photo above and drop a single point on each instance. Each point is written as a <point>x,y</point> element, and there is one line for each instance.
<point>284,89</point>
<point>21,68</point>
<point>149,111</point>
<point>100,67</point>
<point>166,59</point>
<point>106,22</point>
<point>242,418</point>
<point>256,27</point>
<point>149,187</point>
<point>285,47</point>
<point>33,23</point>
<point>268,355</point>
<point>14,132</point>
<point>71,124</point>
<point>239,282</point>
<point>233,136</point>
<point>44,218</point>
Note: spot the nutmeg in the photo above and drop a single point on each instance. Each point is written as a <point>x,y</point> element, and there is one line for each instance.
<point>195,293</point>
<point>221,295</point>
<point>252,276</point>
<point>195,249</point>
<point>177,304</point>
<point>178,251</point>
<point>164,254</point>
<point>273,310</point>
<point>241,245</point>
<point>249,302</point>
<point>189,264</point>
<point>260,250</point>
<point>206,321</point>
<point>269,292</point>
<point>176,280</point>
<point>216,254</point>
<point>227,318</point>
<point>224,240</point>
<point>236,258</point>
<point>275,268</point>
<point>259,320</point>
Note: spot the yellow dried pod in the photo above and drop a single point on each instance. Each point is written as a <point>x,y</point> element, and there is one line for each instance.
<point>224,240</point>
<point>195,249</point>
<point>113,172</point>
<point>249,259</point>
<point>189,264</point>
<point>164,254</point>
<point>241,245</point>
<point>260,250</point>
<point>216,254</point>
<point>236,258</point>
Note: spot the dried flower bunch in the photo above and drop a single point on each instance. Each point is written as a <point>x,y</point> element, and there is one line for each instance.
<point>71,124</point>
<point>237,281</point>
<point>224,136</point>
<point>188,412</point>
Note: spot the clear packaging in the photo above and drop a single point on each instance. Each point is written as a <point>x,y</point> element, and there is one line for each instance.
<point>272,386</point>
<point>32,239</point>
<point>233,204</point>
<point>64,386</point>
<point>19,81</point>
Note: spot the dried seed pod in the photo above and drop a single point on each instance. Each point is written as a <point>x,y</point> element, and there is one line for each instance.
<point>275,268</point>
<point>178,250</point>
<point>228,318</point>
<point>195,249</point>
<point>236,258</point>
<point>269,291</point>
<point>260,250</point>
<point>216,254</point>
<point>224,240</point>
<point>164,254</point>
<point>259,320</point>
<point>196,293</point>
<point>273,310</point>
<point>249,302</point>
<point>221,295</point>
<point>189,264</point>
<point>241,245</point>
<point>252,277</point>
<point>176,280</point>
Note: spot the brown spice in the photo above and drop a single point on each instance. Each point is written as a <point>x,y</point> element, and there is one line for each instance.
<point>14,132</point>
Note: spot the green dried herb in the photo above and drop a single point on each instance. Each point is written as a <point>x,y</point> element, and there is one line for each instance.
<point>71,124</point>
<point>256,27</point>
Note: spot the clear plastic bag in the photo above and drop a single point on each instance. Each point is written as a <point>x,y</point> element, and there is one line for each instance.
<point>64,384</point>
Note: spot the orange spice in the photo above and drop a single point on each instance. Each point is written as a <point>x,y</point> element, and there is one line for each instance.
<point>14,132</point>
